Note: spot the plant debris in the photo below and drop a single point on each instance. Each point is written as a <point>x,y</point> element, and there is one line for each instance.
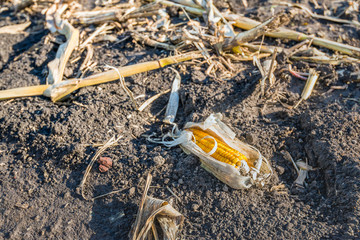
<point>153,212</point>
<point>233,162</point>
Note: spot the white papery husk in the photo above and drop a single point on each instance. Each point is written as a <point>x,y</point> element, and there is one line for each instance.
<point>238,178</point>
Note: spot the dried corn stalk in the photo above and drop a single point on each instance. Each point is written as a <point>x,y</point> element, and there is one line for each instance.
<point>152,209</point>
<point>233,162</point>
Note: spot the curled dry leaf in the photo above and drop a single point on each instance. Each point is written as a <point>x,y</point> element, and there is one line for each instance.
<point>155,214</point>
<point>303,172</point>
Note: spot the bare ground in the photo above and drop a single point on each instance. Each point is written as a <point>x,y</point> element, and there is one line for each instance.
<point>45,147</point>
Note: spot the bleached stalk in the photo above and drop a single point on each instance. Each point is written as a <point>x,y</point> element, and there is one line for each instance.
<point>173,104</point>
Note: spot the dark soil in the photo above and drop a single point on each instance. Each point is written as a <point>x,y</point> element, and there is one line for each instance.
<point>46,147</point>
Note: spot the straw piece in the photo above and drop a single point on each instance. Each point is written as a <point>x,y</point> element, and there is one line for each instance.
<point>309,86</point>
<point>134,230</point>
<point>288,157</point>
<point>150,100</point>
<point>15,29</point>
<point>126,89</point>
<point>326,59</point>
<point>188,9</point>
<point>98,31</point>
<point>23,92</point>
<point>273,65</point>
<point>100,16</point>
<point>150,42</point>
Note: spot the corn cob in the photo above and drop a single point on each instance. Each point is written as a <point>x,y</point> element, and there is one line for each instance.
<point>223,153</point>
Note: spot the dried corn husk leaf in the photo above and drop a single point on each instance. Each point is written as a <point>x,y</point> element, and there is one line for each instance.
<point>152,209</point>
<point>56,24</point>
<point>237,178</point>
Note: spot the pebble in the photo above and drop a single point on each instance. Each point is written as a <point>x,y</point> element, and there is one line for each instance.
<point>132,191</point>
<point>280,170</point>
<point>195,206</point>
<point>250,138</point>
<point>159,160</point>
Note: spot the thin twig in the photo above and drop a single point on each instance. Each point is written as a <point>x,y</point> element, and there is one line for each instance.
<point>288,157</point>
<point>141,207</point>
<point>109,193</point>
<point>173,193</point>
<point>272,68</point>
<point>150,100</point>
<point>126,89</point>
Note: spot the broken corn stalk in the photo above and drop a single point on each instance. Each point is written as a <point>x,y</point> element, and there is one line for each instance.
<point>233,162</point>
<point>59,90</point>
<point>62,89</point>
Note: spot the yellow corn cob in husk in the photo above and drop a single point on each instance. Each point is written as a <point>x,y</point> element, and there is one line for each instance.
<point>233,162</point>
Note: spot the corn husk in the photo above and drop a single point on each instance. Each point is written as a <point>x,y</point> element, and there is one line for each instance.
<point>237,178</point>
<point>153,211</point>
<point>56,24</point>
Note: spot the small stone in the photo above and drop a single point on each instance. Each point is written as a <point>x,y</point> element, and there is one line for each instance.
<point>280,170</point>
<point>237,233</point>
<point>250,138</point>
<point>46,175</point>
<point>195,207</point>
<point>22,205</point>
<point>105,164</point>
<point>159,160</point>
<point>225,188</point>
<point>180,181</point>
<point>67,195</point>
<point>132,191</point>
<point>68,72</point>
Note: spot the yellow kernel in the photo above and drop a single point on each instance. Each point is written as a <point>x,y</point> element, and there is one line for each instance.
<point>223,153</point>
